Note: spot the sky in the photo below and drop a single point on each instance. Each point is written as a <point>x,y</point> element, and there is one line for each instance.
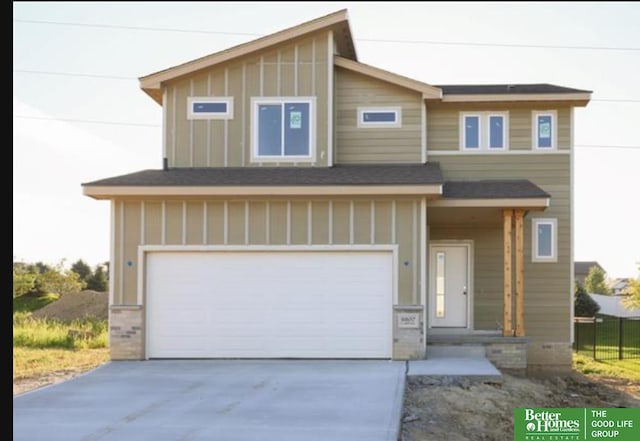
<point>62,53</point>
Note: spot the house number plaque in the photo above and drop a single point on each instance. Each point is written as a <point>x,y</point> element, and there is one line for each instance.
<point>408,320</point>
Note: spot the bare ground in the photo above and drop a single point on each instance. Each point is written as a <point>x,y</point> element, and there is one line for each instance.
<point>36,382</point>
<point>450,408</point>
<point>78,305</point>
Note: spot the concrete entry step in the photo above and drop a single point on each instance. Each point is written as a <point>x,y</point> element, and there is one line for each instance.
<point>461,361</point>
<point>457,351</point>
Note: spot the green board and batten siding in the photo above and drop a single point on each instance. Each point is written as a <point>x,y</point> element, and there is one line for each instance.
<point>336,221</point>
<point>299,68</point>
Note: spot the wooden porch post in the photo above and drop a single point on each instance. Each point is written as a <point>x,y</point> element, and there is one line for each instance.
<point>519,273</point>
<point>507,329</point>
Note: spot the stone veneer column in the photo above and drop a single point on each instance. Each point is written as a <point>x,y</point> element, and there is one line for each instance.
<point>408,336</point>
<point>126,332</point>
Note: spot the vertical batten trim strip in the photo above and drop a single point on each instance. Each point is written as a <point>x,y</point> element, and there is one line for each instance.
<point>184,222</point>
<point>372,222</point>
<point>209,124</point>
<point>351,222</point>
<point>225,222</point>
<point>173,127</point>
<point>330,226</point>
<point>295,70</point>
<point>121,254</point>
<point>267,226</point>
<point>163,223</point>
<point>278,74</point>
<point>191,154</point>
<point>330,99</point>
<point>112,254</point>
<point>261,69</point>
<point>309,223</point>
<point>246,223</point>
<point>244,112</point>
<point>414,249</point>
<point>393,222</point>
<point>142,221</point>
<point>205,222</point>
<point>313,67</point>
<point>226,121</point>
<point>423,132</point>
<point>165,116</point>
<point>288,222</point>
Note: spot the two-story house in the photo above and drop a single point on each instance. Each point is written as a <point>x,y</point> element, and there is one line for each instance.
<point>312,206</point>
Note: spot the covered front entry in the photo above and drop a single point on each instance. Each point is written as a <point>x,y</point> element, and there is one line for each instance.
<point>449,293</point>
<point>269,302</point>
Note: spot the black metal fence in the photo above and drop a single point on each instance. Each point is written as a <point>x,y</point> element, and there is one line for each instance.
<point>607,338</point>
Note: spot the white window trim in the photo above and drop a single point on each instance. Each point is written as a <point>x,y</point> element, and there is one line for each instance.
<point>505,131</point>
<point>379,124</point>
<point>463,132</point>
<point>535,257</point>
<point>256,101</point>
<point>228,100</point>
<point>554,129</point>
<point>484,132</point>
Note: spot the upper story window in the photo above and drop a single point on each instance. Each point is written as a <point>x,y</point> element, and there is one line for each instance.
<point>545,130</point>
<point>545,240</point>
<point>379,117</point>
<point>485,131</point>
<point>209,107</point>
<point>283,129</point>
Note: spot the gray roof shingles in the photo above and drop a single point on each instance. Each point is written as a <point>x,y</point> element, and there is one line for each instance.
<point>492,189</point>
<point>491,89</point>
<point>422,174</point>
<point>414,174</point>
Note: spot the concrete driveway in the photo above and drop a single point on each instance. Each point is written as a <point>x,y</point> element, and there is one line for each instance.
<point>209,400</point>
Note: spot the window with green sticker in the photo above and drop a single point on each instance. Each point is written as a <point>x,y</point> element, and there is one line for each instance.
<point>283,129</point>
<point>544,130</point>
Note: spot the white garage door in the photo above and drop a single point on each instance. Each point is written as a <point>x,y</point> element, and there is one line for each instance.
<point>307,304</point>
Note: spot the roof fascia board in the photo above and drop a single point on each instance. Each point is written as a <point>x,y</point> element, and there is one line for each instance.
<point>530,203</point>
<point>517,97</point>
<point>428,91</point>
<point>108,192</point>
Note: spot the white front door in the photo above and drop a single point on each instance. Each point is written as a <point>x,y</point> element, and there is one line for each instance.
<point>449,286</point>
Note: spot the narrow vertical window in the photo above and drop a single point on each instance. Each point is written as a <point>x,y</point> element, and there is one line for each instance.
<point>440,284</point>
<point>472,132</point>
<point>544,247</point>
<point>496,132</point>
<point>544,130</point>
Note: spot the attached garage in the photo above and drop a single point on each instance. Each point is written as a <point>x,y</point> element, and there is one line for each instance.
<point>269,302</point>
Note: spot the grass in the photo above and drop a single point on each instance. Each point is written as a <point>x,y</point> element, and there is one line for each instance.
<point>87,333</point>
<point>30,362</point>
<point>627,369</point>
<point>29,303</point>
<point>42,347</point>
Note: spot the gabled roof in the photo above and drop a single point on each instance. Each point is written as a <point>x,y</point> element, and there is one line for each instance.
<point>427,90</point>
<point>513,92</point>
<point>584,267</point>
<point>338,21</point>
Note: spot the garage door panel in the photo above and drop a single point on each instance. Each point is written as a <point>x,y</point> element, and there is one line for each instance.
<point>269,304</point>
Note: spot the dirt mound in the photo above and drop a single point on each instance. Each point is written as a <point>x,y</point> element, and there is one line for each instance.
<point>76,306</point>
<point>456,409</point>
